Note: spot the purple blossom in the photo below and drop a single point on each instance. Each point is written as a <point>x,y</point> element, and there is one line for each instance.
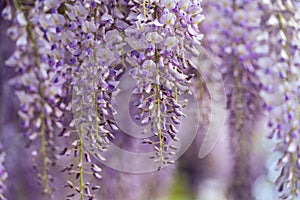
<point>153,37</point>
<point>280,79</point>
<point>231,37</point>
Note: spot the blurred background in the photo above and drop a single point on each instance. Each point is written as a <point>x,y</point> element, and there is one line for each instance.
<point>190,178</point>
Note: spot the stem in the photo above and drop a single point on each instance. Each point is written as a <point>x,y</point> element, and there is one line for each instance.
<point>144,8</point>
<point>44,154</point>
<point>176,93</point>
<point>96,115</point>
<point>119,4</point>
<point>81,181</point>
<point>157,88</point>
<point>241,186</point>
<point>239,125</point>
<point>42,100</point>
<point>81,186</point>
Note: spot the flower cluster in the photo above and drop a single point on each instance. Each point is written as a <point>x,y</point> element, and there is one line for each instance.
<point>279,75</point>
<point>162,36</point>
<point>69,57</point>
<point>83,29</point>
<point>231,29</point>
<point>38,85</point>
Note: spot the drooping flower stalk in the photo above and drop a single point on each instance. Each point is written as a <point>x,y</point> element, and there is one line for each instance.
<point>87,40</point>
<point>279,77</point>
<point>3,173</point>
<point>162,35</point>
<point>37,88</point>
<point>231,29</point>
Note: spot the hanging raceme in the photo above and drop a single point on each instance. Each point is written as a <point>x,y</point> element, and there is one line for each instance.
<point>279,75</point>
<point>162,37</point>
<point>38,87</point>
<point>231,28</point>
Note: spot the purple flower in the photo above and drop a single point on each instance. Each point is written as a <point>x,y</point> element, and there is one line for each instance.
<point>158,36</point>
<point>280,78</point>
<point>231,37</point>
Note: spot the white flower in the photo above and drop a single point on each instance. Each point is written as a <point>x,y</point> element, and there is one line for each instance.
<point>135,44</point>
<point>284,55</point>
<point>241,49</point>
<point>104,54</point>
<point>273,21</point>
<point>88,27</point>
<point>171,42</point>
<point>225,4</point>
<point>6,13</point>
<point>168,19</point>
<point>169,4</point>
<point>154,37</point>
<point>240,16</point>
<point>68,36</point>
<point>52,3</point>
<point>81,11</point>
<point>149,64</point>
<point>113,36</point>
<point>22,41</point>
<point>29,80</point>
<point>183,4</point>
<point>21,19</point>
<point>24,98</point>
<point>58,19</point>
<point>44,20</point>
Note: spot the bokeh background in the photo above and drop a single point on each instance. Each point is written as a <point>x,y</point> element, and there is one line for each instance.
<point>190,178</point>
